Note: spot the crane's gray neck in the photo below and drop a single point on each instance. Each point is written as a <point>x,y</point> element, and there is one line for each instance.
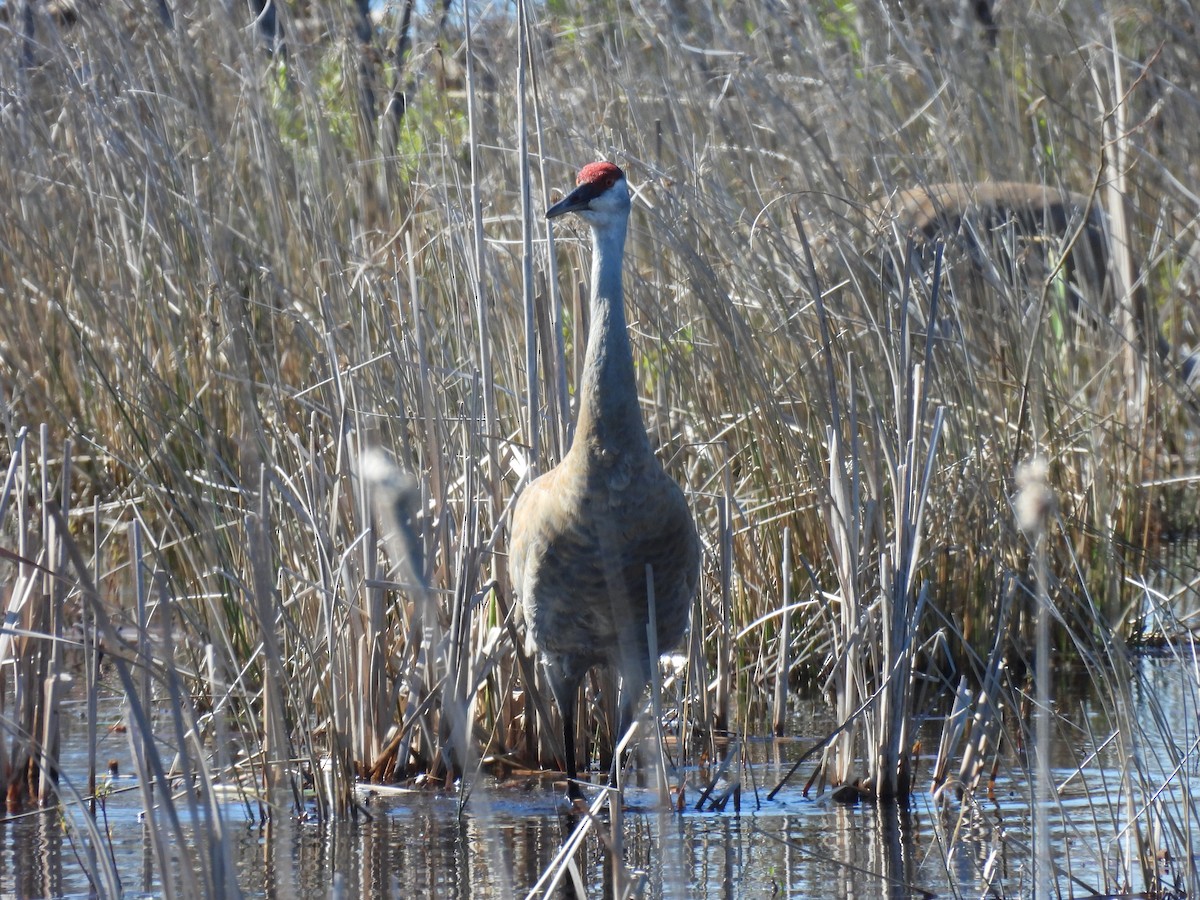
<point>610,420</point>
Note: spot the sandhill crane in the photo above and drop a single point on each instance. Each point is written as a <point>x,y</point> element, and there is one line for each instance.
<point>587,534</point>
<point>1015,225</point>
<point>1013,222</point>
<point>986,217</point>
<point>1000,221</point>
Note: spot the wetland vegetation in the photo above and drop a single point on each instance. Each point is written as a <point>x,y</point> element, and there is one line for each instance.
<point>939,481</point>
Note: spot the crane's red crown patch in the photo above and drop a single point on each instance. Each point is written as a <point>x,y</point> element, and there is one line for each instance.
<point>602,173</point>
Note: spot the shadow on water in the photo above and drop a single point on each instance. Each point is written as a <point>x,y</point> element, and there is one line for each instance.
<point>416,844</point>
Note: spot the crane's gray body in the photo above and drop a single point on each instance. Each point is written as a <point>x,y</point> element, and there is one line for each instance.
<point>584,533</point>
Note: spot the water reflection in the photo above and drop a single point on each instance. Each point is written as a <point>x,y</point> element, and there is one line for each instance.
<point>418,844</point>
<point>419,847</point>
<point>31,860</point>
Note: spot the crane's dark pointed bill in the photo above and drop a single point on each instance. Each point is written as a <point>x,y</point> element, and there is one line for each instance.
<point>576,200</point>
<point>594,179</point>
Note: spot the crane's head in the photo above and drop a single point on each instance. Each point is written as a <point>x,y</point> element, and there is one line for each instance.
<point>601,195</point>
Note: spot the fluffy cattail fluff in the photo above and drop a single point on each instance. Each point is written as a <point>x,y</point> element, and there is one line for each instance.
<point>1035,501</point>
<point>396,496</point>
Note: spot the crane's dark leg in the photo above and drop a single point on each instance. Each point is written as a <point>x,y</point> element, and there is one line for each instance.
<point>568,717</point>
<point>564,686</point>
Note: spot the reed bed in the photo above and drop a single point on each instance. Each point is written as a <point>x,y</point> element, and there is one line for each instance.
<point>284,333</point>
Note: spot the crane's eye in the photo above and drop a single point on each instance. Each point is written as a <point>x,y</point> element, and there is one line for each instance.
<point>609,181</point>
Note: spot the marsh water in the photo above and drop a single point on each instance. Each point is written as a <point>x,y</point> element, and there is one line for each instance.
<point>417,843</point>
